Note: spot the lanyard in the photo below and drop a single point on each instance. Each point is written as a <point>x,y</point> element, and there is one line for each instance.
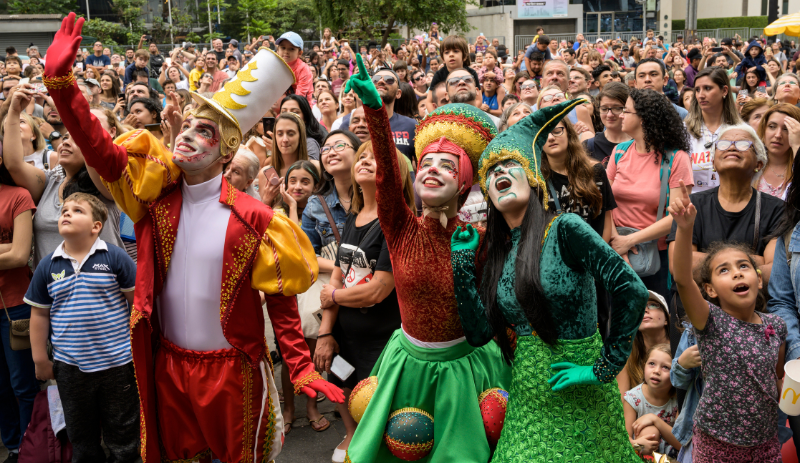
<point>554,195</point>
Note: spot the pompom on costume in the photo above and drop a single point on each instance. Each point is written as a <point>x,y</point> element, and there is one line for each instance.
<point>204,377</point>
<point>427,364</point>
<point>574,414</point>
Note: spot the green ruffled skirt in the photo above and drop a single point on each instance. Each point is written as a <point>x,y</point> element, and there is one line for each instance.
<point>581,423</point>
<point>443,382</point>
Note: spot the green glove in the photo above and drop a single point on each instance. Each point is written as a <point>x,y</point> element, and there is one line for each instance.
<point>568,374</point>
<point>361,83</point>
<point>467,239</point>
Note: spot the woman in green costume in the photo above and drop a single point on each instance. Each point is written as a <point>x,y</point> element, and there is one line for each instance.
<point>564,405</point>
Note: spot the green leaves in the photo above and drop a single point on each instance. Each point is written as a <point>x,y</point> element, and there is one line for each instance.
<point>42,6</point>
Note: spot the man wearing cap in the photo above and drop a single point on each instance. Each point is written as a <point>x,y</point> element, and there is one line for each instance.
<point>289,47</point>
<point>205,252</point>
<point>233,67</point>
<point>93,87</point>
<point>234,45</point>
<point>727,44</point>
<point>694,57</point>
<point>627,60</point>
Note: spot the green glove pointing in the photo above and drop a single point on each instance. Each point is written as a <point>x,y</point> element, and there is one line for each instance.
<point>467,239</point>
<point>361,83</point>
<point>568,374</point>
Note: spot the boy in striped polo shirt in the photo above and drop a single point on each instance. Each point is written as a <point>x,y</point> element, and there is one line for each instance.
<point>80,297</point>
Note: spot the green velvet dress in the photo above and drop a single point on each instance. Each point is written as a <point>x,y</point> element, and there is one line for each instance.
<point>580,423</point>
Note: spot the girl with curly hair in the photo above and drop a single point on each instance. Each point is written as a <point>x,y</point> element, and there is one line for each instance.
<point>660,141</point>
<point>713,109</point>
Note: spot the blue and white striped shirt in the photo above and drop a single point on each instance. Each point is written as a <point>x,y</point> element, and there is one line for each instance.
<point>88,311</point>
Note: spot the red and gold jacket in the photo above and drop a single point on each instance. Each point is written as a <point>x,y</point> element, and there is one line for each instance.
<point>263,252</point>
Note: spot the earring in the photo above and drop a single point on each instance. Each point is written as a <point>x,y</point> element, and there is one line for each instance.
<point>756,169</point>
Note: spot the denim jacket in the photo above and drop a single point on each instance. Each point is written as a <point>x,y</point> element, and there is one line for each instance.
<point>784,291</point>
<point>315,222</point>
<point>691,380</point>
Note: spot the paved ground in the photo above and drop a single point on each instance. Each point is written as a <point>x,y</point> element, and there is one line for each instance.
<point>303,444</point>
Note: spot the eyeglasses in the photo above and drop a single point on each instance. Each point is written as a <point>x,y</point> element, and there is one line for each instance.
<point>557,132</point>
<point>554,96</point>
<point>390,80</point>
<point>788,82</point>
<point>456,80</point>
<point>740,145</point>
<point>336,148</point>
<point>527,86</point>
<point>625,111</point>
<point>653,305</point>
<point>616,110</point>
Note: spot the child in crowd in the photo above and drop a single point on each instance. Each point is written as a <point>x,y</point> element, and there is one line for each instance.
<point>290,47</point>
<point>455,54</point>
<point>651,407</point>
<point>13,66</point>
<point>753,58</point>
<point>741,348</point>
<point>140,61</point>
<point>489,95</point>
<point>81,296</point>
<point>302,179</point>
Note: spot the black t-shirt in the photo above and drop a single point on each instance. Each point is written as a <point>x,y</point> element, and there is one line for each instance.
<point>600,148</point>
<point>561,186</point>
<point>713,223</point>
<point>155,65</point>
<point>220,55</point>
<point>359,262</point>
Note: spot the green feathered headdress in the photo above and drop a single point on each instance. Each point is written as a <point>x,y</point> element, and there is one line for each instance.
<point>524,142</point>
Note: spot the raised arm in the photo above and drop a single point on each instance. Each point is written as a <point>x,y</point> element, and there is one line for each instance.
<point>25,175</point>
<point>393,212</point>
<point>476,327</point>
<point>683,212</point>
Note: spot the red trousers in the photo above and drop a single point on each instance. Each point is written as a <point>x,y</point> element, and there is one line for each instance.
<point>215,402</point>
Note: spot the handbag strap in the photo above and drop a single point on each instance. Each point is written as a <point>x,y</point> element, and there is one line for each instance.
<point>4,307</point>
<point>662,198</point>
<point>758,221</point>
<point>554,195</point>
<point>330,219</point>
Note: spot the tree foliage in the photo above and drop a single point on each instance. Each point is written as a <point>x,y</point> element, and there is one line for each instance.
<point>370,19</point>
<point>42,6</point>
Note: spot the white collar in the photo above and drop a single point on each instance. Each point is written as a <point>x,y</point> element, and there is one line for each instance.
<point>202,192</point>
<point>97,245</point>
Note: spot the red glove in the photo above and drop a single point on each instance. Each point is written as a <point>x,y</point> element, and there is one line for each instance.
<point>62,52</point>
<point>333,393</point>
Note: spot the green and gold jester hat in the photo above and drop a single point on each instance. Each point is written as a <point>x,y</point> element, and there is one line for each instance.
<point>524,142</point>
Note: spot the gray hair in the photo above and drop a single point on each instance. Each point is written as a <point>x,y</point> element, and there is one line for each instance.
<point>780,78</point>
<point>251,169</point>
<point>758,145</point>
<point>507,114</point>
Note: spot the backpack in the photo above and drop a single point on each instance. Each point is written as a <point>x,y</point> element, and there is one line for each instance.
<point>620,150</point>
<point>39,443</point>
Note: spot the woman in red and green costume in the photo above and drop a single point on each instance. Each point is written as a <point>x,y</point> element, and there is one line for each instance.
<point>538,279</point>
<point>428,364</point>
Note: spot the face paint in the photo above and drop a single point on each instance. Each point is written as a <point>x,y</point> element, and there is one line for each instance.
<point>197,145</point>
<point>436,182</point>
<point>508,187</point>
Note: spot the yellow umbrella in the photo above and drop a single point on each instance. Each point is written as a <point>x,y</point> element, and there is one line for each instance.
<point>789,25</point>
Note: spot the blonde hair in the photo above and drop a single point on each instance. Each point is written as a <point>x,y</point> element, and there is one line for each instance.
<point>38,142</point>
<point>789,110</point>
<point>408,187</point>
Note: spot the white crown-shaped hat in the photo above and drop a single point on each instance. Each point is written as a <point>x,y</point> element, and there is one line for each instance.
<point>245,98</point>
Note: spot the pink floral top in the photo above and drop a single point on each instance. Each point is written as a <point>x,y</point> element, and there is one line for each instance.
<point>740,398</point>
<point>498,74</point>
<point>667,412</point>
<point>765,187</point>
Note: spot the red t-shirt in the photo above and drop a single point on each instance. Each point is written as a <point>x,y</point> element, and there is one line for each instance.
<point>13,282</point>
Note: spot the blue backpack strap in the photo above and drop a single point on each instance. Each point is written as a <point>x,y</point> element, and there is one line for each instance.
<point>620,149</point>
<point>668,159</point>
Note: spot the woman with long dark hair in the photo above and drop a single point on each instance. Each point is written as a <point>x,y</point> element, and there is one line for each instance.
<point>315,132</point>
<point>406,105</point>
<point>109,83</point>
<point>49,188</point>
<point>536,284</point>
<point>713,109</point>
<point>656,151</point>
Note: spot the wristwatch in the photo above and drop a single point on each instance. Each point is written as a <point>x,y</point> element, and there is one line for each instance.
<point>54,135</point>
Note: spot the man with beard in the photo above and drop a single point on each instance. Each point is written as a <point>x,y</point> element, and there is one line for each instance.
<point>461,88</point>
<point>205,252</point>
<point>388,85</point>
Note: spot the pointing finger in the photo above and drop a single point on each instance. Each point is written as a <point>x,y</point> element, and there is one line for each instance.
<point>362,70</point>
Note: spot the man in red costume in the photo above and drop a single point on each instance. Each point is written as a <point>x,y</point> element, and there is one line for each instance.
<point>204,252</point>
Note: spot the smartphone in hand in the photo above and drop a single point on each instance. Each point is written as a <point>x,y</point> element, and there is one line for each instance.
<point>268,123</point>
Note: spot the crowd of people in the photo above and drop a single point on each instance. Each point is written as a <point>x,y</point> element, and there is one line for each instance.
<point>604,230</point>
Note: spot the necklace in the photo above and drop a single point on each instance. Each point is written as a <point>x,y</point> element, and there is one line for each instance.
<point>772,169</point>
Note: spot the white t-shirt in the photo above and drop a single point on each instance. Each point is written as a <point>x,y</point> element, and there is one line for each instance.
<point>702,157</point>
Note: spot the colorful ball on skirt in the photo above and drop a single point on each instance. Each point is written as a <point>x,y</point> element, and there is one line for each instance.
<point>409,433</point>
<point>493,403</point>
<point>360,397</point>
